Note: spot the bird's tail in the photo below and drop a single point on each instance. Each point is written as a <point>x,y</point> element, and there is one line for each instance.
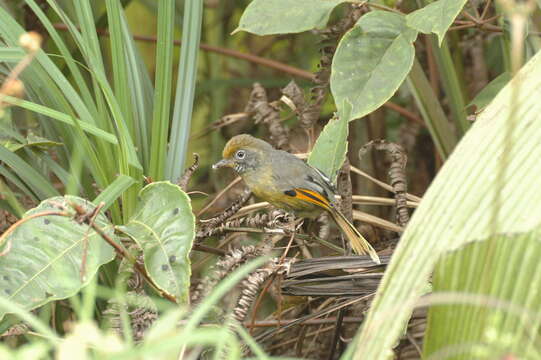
<point>358,243</point>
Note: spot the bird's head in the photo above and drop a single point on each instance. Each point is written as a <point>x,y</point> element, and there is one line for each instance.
<point>243,153</point>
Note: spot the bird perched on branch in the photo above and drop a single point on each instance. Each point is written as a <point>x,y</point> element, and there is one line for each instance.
<point>288,183</point>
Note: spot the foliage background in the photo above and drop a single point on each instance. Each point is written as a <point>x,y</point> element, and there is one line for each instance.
<point>111,105</point>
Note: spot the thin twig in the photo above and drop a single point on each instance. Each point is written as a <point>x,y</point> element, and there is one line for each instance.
<point>22,221</point>
<point>122,252</point>
<point>485,9</point>
<point>228,52</point>
<point>95,213</point>
<point>275,323</point>
<point>382,184</point>
<point>219,196</point>
<point>208,249</point>
<point>397,174</point>
<point>185,178</point>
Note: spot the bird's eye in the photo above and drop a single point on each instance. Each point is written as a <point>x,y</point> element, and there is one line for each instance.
<point>241,154</point>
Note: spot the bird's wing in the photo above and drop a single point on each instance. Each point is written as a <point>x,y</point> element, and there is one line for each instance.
<point>292,173</point>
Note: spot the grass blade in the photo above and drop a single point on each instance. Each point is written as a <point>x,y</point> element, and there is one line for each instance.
<point>62,117</point>
<point>114,191</point>
<point>40,185</point>
<point>439,127</point>
<point>162,94</point>
<point>185,93</point>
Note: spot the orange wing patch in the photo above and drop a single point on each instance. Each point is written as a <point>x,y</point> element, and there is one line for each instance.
<point>312,197</point>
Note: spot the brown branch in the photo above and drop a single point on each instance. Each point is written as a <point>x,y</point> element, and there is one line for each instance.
<point>404,112</point>
<point>209,225</point>
<point>274,323</point>
<point>185,179</point>
<point>267,113</point>
<point>208,249</point>
<point>397,175</point>
<point>228,52</point>
<point>219,196</point>
<point>385,186</point>
<point>93,216</point>
<point>224,267</point>
<point>485,10</point>
<point>250,288</point>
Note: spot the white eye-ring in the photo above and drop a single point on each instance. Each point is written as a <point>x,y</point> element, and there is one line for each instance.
<point>240,154</point>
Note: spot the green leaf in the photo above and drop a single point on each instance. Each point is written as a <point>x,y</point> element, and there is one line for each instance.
<point>371,61</point>
<point>31,141</point>
<point>11,54</point>
<point>436,17</point>
<point>164,227</point>
<point>469,200</point>
<point>434,116</point>
<point>185,92</point>
<point>114,191</point>
<point>495,278</point>
<point>265,17</point>
<point>490,91</point>
<point>62,117</point>
<point>329,152</point>
<point>44,254</point>
<point>36,181</point>
<point>162,95</point>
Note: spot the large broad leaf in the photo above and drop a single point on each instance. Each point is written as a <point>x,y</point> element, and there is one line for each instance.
<point>44,253</point>
<point>435,17</point>
<point>164,227</point>
<point>329,152</point>
<point>371,61</point>
<point>501,315</point>
<point>265,17</point>
<point>469,200</point>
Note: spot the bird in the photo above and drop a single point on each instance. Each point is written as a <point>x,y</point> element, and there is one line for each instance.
<point>289,183</point>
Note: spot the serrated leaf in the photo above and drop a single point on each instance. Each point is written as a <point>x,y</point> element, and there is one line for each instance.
<point>371,61</point>
<point>436,17</point>
<point>489,92</point>
<point>329,152</point>
<point>164,227</point>
<point>266,17</point>
<point>43,254</point>
<point>459,206</point>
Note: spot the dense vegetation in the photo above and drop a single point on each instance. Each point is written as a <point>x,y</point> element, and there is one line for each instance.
<point>117,242</point>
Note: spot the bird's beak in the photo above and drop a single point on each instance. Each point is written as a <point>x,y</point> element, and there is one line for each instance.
<point>223,163</point>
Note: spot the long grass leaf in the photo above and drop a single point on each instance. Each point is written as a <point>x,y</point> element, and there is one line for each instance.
<point>65,53</point>
<point>439,127</point>
<point>37,182</point>
<point>184,98</point>
<point>62,117</point>
<point>162,94</point>
<point>114,191</point>
<point>142,92</point>
<point>11,54</point>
